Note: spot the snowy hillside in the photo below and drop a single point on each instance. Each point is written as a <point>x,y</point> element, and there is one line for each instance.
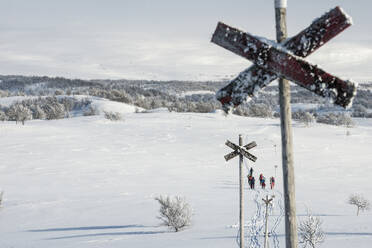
<point>90,182</point>
<point>101,104</point>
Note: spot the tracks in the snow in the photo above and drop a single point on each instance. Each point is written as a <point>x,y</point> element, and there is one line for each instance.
<point>254,228</point>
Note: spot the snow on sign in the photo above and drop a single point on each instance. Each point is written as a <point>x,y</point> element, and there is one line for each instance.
<point>273,60</point>
<point>240,150</point>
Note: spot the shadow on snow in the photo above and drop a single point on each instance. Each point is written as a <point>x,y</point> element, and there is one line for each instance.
<point>87,228</point>
<point>84,228</point>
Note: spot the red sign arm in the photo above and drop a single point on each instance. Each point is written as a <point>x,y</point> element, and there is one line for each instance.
<point>278,60</point>
<point>255,78</point>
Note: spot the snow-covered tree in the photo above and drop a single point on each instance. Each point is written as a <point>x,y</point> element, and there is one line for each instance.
<point>18,112</point>
<point>3,116</point>
<point>38,113</point>
<point>340,119</point>
<point>175,213</point>
<point>53,109</point>
<point>260,110</point>
<point>113,116</point>
<point>346,120</point>
<point>304,117</point>
<point>360,202</point>
<point>310,231</point>
<point>91,110</point>
<point>24,113</point>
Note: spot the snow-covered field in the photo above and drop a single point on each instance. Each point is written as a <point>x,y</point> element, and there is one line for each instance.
<point>89,182</point>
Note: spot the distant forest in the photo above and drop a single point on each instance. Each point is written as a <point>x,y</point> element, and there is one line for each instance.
<point>183,96</point>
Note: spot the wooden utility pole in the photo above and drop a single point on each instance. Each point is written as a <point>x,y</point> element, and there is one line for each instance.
<point>241,188</point>
<point>270,63</point>
<point>267,201</point>
<point>286,130</point>
<point>242,151</point>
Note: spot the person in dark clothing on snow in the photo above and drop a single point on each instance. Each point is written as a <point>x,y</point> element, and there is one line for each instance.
<point>262,178</point>
<point>272,182</point>
<point>251,171</point>
<point>250,180</point>
<point>252,183</point>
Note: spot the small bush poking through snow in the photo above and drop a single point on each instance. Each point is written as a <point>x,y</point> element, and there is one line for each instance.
<point>254,110</point>
<point>304,117</point>
<point>3,116</point>
<point>175,213</point>
<point>340,119</point>
<point>1,197</point>
<point>113,116</point>
<point>310,231</point>
<point>91,110</point>
<point>360,202</point>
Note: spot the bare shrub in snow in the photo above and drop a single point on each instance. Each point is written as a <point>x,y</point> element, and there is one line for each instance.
<point>3,116</point>
<point>359,111</point>
<point>91,110</point>
<point>310,231</point>
<point>360,202</point>
<point>4,93</point>
<point>58,92</point>
<point>340,119</point>
<point>113,116</point>
<point>240,111</point>
<point>175,213</point>
<point>254,110</point>
<point>260,110</point>
<point>345,120</point>
<point>202,107</point>
<point>304,117</point>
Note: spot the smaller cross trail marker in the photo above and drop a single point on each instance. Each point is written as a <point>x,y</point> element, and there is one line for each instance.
<point>242,151</point>
<point>267,201</point>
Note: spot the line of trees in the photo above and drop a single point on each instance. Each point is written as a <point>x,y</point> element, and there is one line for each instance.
<point>157,94</point>
<point>48,108</point>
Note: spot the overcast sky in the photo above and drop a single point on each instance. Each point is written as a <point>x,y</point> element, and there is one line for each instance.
<point>163,39</point>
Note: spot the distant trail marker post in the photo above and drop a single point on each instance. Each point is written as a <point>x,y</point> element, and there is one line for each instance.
<point>242,151</point>
<point>281,60</point>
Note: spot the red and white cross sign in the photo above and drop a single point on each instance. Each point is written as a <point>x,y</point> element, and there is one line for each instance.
<point>272,60</point>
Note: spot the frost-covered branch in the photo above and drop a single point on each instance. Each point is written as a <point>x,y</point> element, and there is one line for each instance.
<point>360,202</point>
<point>175,213</point>
<point>310,231</point>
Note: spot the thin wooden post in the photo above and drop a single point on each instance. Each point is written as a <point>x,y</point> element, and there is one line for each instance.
<point>242,151</point>
<point>241,188</point>
<point>286,130</point>
<point>267,202</point>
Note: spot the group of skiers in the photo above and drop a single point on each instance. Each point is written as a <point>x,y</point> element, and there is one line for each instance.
<point>252,180</point>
